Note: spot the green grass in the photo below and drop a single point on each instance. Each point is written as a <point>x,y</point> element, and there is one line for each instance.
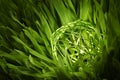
<point>59,40</point>
<point>80,45</point>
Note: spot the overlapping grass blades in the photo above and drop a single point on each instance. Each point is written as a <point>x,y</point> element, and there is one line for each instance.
<point>80,44</point>
<point>29,34</point>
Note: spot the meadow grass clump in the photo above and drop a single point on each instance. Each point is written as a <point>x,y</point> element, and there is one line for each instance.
<point>81,45</point>
<point>58,39</point>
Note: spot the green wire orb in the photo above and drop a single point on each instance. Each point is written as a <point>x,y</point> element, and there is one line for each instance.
<point>78,39</point>
<point>81,43</point>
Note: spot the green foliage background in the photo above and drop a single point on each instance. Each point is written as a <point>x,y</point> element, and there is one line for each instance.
<point>26,29</point>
